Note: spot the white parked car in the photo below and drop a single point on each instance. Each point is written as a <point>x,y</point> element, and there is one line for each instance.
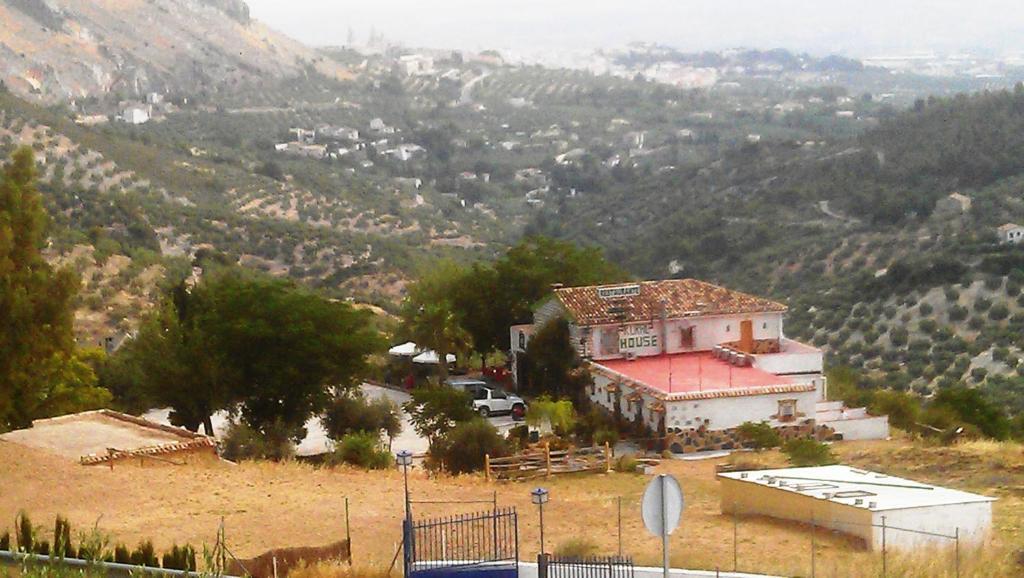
<point>489,401</point>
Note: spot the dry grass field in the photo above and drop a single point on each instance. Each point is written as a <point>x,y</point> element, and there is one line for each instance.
<point>266,505</point>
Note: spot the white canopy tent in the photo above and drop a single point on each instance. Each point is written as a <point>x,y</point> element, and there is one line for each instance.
<point>430,357</point>
<point>407,349</point>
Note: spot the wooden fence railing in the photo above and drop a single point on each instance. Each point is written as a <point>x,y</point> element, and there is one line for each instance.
<point>543,461</point>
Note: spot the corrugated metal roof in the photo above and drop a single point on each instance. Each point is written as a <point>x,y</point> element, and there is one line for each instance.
<point>631,302</point>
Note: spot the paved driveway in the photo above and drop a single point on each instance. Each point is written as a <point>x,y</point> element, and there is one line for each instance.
<point>316,440</point>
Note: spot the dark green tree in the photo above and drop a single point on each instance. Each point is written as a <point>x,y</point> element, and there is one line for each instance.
<point>972,408</point>
<point>288,348</point>
<point>35,300</point>
<point>553,364</point>
<point>429,315</point>
<point>434,411</point>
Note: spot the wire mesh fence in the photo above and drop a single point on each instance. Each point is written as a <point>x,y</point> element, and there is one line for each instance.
<point>815,547</point>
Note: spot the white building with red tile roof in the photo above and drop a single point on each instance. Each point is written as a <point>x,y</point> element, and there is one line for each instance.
<point>687,354</point>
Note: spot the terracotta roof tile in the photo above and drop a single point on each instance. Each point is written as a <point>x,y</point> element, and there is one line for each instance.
<point>682,298</point>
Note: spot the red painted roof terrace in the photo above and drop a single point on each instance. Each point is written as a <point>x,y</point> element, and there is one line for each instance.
<point>691,373</point>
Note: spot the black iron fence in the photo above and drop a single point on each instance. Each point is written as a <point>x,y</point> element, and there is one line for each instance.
<point>484,538</point>
<point>551,566</point>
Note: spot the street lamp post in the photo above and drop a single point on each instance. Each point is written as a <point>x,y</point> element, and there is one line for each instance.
<point>540,497</point>
<point>404,459</point>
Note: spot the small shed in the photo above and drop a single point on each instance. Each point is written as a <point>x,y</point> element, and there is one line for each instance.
<point>864,504</point>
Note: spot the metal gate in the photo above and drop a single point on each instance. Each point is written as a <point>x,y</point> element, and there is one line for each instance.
<point>481,545</point>
<point>549,566</point>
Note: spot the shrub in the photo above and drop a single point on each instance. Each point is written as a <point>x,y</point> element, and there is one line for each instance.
<point>626,464</point>
<point>808,452</point>
<point>560,415</point>
<point>970,406</point>
<point>981,304</point>
<point>462,449</point>
<point>62,546</point>
<point>361,449</point>
<point>925,309</point>
<point>957,313</point>
<point>992,283</point>
<point>122,555</point>
<point>952,295</point>
<point>998,312</point>
<point>577,547</point>
<point>759,436</point>
<point>5,541</point>
<point>145,555</point>
<point>979,373</point>
<point>183,558</point>
<point>352,412</point>
<point>242,442</point>
<point>928,325</point>
<point>606,436</point>
<point>903,410</point>
<point>24,532</point>
<point>898,336</point>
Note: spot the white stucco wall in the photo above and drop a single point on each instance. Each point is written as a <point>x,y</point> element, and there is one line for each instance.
<point>716,413</point>
<point>707,333</point>
<point>862,428</point>
<point>789,363</point>
<point>974,521</point>
<point>744,497</point>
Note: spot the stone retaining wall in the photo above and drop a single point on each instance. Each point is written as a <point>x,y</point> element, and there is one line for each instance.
<point>701,439</point>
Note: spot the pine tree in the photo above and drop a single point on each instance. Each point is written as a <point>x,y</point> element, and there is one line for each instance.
<point>35,300</point>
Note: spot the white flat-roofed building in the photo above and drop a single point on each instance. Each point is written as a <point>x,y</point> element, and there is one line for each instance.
<point>859,503</point>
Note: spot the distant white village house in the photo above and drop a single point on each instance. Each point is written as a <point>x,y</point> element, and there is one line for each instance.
<point>416,64</point>
<point>135,114</point>
<point>1011,233</point>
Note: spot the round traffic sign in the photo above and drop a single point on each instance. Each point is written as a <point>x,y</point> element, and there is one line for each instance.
<point>662,505</point>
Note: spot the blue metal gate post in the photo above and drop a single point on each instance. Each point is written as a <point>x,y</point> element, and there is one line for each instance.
<point>407,547</point>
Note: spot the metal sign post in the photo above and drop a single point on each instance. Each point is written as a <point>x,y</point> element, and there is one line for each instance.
<point>661,509</point>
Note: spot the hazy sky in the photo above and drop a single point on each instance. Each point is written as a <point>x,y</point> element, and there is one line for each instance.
<point>854,27</point>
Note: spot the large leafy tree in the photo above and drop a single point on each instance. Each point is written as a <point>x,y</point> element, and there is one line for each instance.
<point>491,298</point>
<point>179,362</point>
<point>430,316</point>
<point>486,299</point>
<point>288,347</point>
<point>242,340</point>
<point>35,303</point>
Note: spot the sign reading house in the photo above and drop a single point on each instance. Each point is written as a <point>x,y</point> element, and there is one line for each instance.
<point>618,292</point>
<point>637,337</point>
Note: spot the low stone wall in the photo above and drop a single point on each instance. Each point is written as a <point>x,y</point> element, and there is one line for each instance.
<point>700,439</point>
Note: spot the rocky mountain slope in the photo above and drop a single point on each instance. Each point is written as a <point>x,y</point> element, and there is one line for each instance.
<point>58,50</point>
